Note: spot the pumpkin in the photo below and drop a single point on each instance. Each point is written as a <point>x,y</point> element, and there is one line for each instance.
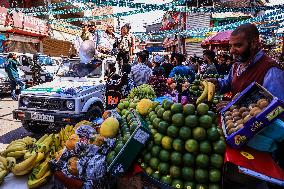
<point>143,106</point>
<point>71,142</point>
<point>109,127</point>
<point>72,166</point>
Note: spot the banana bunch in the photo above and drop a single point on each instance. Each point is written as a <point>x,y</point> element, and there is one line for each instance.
<point>142,91</point>
<point>3,168</point>
<point>25,166</point>
<point>39,174</point>
<point>18,148</point>
<point>208,92</point>
<point>64,134</point>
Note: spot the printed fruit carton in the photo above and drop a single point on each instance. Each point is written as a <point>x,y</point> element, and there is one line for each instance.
<point>247,114</point>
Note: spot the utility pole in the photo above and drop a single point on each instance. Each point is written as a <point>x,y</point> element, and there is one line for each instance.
<point>179,36</point>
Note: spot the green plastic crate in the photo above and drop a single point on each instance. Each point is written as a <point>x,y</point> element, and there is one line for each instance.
<point>132,147</point>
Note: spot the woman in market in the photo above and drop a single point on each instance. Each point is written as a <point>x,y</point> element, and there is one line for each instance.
<point>180,69</point>
<point>225,64</point>
<point>11,68</point>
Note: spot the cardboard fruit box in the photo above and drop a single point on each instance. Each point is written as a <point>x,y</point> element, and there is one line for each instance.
<point>255,122</point>
<point>131,149</point>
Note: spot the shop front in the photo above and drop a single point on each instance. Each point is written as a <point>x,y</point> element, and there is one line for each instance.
<point>23,33</point>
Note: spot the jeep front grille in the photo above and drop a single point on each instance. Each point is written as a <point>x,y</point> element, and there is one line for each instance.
<point>46,103</point>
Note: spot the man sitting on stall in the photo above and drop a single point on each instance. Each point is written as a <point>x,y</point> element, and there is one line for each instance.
<point>251,64</point>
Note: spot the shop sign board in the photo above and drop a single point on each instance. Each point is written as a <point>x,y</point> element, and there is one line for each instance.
<point>18,19</point>
<point>3,15</point>
<point>23,23</point>
<point>35,24</point>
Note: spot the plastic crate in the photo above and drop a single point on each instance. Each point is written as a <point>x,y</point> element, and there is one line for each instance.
<point>131,148</point>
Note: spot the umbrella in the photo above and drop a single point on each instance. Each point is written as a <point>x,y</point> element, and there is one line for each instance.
<point>222,37</point>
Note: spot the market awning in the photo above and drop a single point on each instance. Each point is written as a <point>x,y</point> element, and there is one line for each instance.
<point>220,38</point>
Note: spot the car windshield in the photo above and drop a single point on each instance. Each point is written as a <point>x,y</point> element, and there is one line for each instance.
<point>81,70</point>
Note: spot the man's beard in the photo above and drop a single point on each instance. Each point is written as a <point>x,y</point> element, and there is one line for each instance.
<point>244,57</point>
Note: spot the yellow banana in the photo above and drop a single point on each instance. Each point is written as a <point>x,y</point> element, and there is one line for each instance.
<point>4,161</point>
<point>29,154</point>
<point>40,156</point>
<point>11,161</point>
<point>45,144</point>
<point>43,168</point>
<point>61,133</point>
<point>15,148</point>
<point>35,183</point>
<point>204,94</point>
<point>56,140</point>
<point>25,166</point>
<point>211,91</point>
<point>2,166</point>
<point>17,154</point>
<point>41,139</point>
<point>3,173</point>
<point>16,143</point>
<point>28,140</point>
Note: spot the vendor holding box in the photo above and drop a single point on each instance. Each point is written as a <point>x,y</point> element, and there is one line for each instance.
<point>251,64</point>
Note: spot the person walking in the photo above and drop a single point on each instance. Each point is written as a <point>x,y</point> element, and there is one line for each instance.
<point>11,69</point>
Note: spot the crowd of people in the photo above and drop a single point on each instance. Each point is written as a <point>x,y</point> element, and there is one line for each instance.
<point>246,62</point>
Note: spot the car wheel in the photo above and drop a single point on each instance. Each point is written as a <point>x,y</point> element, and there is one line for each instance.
<point>93,113</point>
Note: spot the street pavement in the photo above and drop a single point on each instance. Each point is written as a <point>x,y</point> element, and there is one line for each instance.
<point>10,129</point>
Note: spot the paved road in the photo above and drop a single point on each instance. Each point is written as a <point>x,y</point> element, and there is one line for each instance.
<point>10,129</point>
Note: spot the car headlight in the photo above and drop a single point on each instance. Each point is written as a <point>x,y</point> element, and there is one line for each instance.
<point>25,101</point>
<point>70,104</point>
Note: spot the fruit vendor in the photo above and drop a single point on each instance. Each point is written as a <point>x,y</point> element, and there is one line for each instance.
<point>251,64</point>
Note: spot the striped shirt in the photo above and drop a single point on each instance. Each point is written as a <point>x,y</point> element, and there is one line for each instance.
<point>140,73</point>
